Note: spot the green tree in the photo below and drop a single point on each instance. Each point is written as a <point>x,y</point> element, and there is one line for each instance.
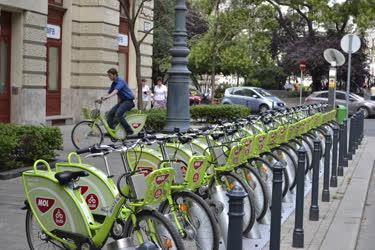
<point>237,42</point>
<point>308,27</point>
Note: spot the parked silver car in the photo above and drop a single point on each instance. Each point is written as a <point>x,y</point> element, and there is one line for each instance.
<point>257,99</point>
<point>356,102</point>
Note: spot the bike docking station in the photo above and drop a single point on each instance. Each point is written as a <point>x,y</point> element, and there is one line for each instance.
<point>227,186</point>
<point>331,147</point>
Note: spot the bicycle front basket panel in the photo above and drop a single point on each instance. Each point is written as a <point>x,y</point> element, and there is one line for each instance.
<point>94,113</point>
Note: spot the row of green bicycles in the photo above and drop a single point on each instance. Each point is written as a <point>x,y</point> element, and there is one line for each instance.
<point>172,190</point>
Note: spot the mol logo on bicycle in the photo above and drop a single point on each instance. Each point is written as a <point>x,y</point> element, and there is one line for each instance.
<point>136,125</point>
<point>161,178</point>
<point>44,204</point>
<point>198,164</point>
<point>92,201</point>
<point>59,217</point>
<point>83,189</point>
<point>145,170</point>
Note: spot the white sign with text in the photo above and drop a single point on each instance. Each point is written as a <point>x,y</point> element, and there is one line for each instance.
<point>123,40</point>
<point>53,31</point>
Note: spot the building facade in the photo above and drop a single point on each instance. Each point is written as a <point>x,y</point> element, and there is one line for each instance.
<point>54,55</point>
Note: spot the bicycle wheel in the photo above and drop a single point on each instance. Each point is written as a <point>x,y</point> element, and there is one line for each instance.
<point>36,238</point>
<point>272,159</point>
<point>259,189</point>
<point>197,218</point>
<point>86,134</point>
<point>155,227</point>
<point>230,180</point>
<point>291,167</point>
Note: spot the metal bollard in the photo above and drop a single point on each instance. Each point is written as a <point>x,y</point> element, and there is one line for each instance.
<point>356,130</point>
<point>340,168</point>
<point>333,182</point>
<point>327,163</point>
<point>314,208</point>
<point>236,213</point>
<point>298,233</point>
<point>362,126</point>
<point>277,170</point>
<point>351,141</point>
<point>345,161</point>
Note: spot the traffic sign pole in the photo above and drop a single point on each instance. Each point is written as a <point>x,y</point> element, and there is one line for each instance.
<point>300,89</point>
<point>349,74</point>
<point>350,44</point>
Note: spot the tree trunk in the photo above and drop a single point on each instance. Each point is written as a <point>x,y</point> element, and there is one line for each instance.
<point>316,81</point>
<point>213,74</point>
<point>214,51</point>
<point>139,80</point>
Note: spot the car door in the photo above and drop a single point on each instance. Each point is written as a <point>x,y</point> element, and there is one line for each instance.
<point>340,98</point>
<point>237,97</point>
<point>252,100</point>
<point>321,98</point>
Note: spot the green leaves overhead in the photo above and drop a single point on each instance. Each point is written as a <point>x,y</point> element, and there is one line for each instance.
<point>264,40</point>
<point>239,36</point>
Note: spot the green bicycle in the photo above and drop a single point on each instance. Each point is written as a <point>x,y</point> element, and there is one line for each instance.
<point>89,132</point>
<point>59,217</point>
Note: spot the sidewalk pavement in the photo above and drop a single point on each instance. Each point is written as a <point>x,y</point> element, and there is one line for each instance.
<point>340,219</point>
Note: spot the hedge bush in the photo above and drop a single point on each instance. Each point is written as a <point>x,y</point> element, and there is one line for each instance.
<point>156,118</point>
<point>22,145</point>
<point>214,113</point>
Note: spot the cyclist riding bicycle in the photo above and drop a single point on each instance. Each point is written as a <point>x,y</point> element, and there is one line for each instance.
<point>120,88</point>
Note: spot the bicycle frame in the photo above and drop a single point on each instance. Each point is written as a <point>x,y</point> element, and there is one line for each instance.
<point>136,121</point>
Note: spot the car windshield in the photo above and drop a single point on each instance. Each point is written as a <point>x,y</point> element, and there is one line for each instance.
<point>263,92</point>
<point>356,96</point>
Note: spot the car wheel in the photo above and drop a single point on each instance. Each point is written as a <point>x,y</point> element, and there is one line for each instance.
<point>365,111</point>
<point>263,108</point>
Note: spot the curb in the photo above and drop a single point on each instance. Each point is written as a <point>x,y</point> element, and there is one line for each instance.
<point>344,228</point>
<point>15,173</point>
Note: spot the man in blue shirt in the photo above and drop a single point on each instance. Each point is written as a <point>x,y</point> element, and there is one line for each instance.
<point>120,88</point>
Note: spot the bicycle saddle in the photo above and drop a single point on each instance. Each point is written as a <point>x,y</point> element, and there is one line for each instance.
<point>66,177</point>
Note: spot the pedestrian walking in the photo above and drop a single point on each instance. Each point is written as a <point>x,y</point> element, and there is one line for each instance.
<point>146,95</point>
<point>160,94</point>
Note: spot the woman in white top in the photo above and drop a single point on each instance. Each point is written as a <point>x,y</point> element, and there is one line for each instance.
<point>372,93</point>
<point>146,95</point>
<point>160,94</point>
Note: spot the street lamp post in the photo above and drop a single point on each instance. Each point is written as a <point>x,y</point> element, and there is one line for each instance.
<point>178,114</point>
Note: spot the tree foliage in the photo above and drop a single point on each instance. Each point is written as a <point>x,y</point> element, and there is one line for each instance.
<point>264,41</point>
<point>308,27</point>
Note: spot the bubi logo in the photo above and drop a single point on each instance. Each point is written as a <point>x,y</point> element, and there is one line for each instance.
<point>158,193</point>
<point>44,204</point>
<point>59,217</point>
<point>195,177</point>
<point>161,178</point>
<point>92,201</point>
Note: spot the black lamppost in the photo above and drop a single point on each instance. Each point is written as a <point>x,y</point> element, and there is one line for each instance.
<point>178,114</point>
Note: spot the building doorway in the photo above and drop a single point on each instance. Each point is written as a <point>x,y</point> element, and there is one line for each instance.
<point>54,44</point>
<point>5,50</point>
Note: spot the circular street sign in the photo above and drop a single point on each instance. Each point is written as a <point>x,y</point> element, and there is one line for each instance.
<point>334,56</point>
<point>345,42</point>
